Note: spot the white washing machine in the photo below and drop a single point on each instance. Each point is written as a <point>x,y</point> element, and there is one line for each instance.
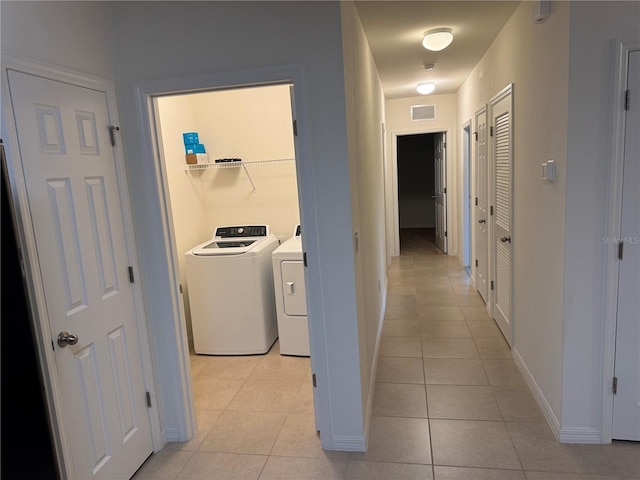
<point>231,292</point>
<point>291,300</point>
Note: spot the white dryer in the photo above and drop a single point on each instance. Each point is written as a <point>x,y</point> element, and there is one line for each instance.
<point>291,300</point>
<point>231,294</point>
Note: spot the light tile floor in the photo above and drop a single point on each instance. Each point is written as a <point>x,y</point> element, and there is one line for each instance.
<point>449,402</point>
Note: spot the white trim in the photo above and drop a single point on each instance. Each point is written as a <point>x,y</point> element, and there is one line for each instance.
<point>580,435</point>
<point>374,368</point>
<point>467,188</point>
<point>185,407</point>
<point>26,240</point>
<point>614,224</point>
<point>174,435</point>
<point>394,248</point>
<point>145,93</point>
<point>344,443</point>
<point>547,411</point>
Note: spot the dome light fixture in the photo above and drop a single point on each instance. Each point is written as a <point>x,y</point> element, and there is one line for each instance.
<point>437,39</point>
<point>426,88</point>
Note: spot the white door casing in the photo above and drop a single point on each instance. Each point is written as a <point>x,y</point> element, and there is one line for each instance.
<point>466,201</point>
<point>482,212</point>
<point>501,148</point>
<point>626,401</point>
<point>146,92</point>
<point>317,405</point>
<point>79,228</point>
<point>440,166</point>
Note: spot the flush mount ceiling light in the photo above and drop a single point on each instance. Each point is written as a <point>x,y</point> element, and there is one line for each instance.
<point>437,39</point>
<point>426,88</point>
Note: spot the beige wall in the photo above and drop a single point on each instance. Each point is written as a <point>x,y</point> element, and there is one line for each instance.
<point>534,57</point>
<point>398,122</point>
<point>75,35</point>
<point>365,117</point>
<point>254,124</point>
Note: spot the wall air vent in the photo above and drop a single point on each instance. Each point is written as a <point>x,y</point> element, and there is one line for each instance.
<point>423,112</point>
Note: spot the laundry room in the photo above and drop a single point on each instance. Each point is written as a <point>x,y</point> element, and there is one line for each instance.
<point>229,161</point>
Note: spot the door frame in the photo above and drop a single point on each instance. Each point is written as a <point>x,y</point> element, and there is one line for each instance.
<point>467,229</point>
<point>393,203</point>
<point>483,110</point>
<point>146,93</point>
<point>614,225</point>
<point>31,265</point>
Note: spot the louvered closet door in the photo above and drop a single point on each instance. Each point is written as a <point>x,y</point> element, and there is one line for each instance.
<point>502,174</point>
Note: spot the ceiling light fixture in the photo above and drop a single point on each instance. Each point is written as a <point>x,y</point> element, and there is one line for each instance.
<point>426,88</point>
<point>437,39</point>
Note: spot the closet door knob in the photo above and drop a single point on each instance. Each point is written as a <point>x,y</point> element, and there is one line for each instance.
<point>66,338</point>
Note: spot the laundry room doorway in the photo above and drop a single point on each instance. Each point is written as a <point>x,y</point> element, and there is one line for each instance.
<point>246,174</point>
<point>227,158</point>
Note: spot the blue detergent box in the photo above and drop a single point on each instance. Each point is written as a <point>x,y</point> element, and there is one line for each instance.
<point>190,138</point>
<point>194,148</point>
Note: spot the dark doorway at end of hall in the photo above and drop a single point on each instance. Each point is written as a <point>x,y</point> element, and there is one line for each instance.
<point>416,187</point>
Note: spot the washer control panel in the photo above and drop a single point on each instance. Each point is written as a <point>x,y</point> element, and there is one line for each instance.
<point>242,231</point>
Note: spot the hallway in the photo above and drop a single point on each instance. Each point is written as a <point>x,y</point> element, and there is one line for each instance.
<point>449,402</point>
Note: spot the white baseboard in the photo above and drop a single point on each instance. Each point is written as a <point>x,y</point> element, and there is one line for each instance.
<point>349,443</point>
<point>563,434</point>
<point>547,411</point>
<point>172,435</point>
<point>580,435</point>
<point>374,367</point>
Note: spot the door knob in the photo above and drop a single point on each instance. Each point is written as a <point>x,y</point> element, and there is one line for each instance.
<point>505,239</point>
<point>482,220</point>
<point>434,196</point>
<point>66,338</point>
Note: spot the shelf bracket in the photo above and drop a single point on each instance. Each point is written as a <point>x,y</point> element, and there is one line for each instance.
<point>253,185</point>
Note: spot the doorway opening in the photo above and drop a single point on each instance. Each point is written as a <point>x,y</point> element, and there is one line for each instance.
<point>421,183</point>
<point>245,176</point>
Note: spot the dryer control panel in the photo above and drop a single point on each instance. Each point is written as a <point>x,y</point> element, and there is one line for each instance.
<point>242,231</point>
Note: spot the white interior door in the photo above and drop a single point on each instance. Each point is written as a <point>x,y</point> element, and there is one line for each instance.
<point>482,212</point>
<point>502,200</point>
<point>440,165</point>
<point>626,401</point>
<point>77,216</point>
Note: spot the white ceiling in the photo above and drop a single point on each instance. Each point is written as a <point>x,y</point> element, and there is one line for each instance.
<point>395,29</point>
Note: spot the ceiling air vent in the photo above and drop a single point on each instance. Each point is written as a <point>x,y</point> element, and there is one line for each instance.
<point>423,112</point>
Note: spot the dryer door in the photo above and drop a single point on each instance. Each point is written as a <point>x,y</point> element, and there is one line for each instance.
<point>295,303</point>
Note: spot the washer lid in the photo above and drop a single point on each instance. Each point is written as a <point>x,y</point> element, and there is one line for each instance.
<point>232,246</point>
